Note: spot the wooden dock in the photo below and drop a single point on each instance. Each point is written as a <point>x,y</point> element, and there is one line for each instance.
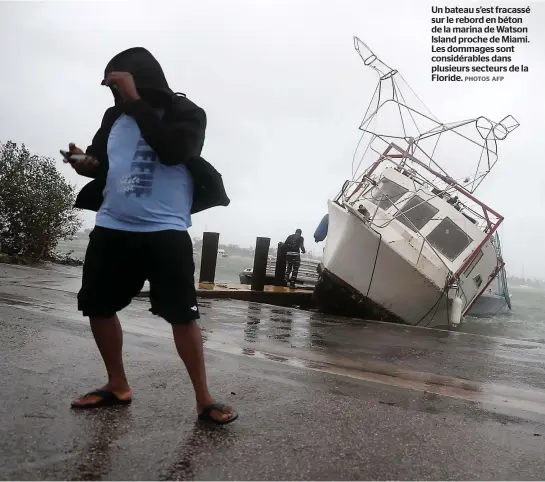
<point>272,295</point>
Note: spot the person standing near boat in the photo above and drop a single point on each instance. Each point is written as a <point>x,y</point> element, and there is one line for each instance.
<point>148,180</point>
<point>294,245</point>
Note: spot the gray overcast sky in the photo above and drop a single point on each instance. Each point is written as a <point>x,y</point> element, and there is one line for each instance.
<point>284,91</point>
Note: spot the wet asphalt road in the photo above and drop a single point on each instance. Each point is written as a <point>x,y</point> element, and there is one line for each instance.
<point>319,397</point>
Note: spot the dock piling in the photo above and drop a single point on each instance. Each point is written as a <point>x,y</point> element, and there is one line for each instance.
<point>209,256</point>
<point>280,268</point>
<point>260,263</point>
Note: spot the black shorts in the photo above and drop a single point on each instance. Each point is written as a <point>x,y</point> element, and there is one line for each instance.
<point>118,263</point>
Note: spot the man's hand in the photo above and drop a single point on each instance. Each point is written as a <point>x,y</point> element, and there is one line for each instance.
<point>124,83</point>
<point>86,167</point>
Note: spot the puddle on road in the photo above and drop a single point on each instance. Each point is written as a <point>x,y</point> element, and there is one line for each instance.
<point>301,340</point>
<point>435,385</point>
<point>17,301</point>
<point>517,345</point>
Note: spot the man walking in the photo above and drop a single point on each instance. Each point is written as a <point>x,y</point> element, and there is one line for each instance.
<point>293,245</point>
<point>148,180</point>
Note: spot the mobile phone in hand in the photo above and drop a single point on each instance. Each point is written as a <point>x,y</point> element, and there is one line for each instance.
<point>71,158</point>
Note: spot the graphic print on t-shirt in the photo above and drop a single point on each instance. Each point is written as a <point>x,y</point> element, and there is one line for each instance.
<point>140,180</point>
<point>141,193</point>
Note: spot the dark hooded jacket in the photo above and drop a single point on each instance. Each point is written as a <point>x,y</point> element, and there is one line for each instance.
<point>294,243</point>
<point>177,138</point>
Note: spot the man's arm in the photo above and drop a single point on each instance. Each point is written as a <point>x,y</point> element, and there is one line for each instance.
<point>175,143</point>
<point>97,163</point>
<point>303,245</point>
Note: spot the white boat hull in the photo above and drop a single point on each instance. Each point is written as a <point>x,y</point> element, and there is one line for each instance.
<point>385,283</point>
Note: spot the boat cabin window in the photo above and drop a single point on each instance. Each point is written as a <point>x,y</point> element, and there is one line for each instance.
<point>387,193</point>
<point>449,239</point>
<point>416,213</point>
<point>473,263</point>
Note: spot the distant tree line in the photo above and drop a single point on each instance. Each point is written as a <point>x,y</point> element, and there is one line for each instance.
<point>236,250</point>
<point>517,281</point>
<point>231,249</point>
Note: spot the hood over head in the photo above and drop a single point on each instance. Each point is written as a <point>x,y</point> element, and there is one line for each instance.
<point>146,70</point>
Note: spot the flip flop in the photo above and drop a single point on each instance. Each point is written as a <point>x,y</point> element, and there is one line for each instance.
<point>206,414</point>
<point>107,399</point>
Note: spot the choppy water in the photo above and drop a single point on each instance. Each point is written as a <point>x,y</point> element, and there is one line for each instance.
<point>227,269</point>
<point>526,321</point>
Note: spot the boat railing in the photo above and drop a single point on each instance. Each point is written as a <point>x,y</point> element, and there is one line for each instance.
<point>502,275</point>
<point>449,192</point>
<point>443,187</point>
<point>371,220</point>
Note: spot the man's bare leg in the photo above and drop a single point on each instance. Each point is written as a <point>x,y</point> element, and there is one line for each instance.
<point>109,339</point>
<point>188,340</point>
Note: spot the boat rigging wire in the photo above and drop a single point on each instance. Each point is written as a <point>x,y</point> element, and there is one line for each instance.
<point>436,306</point>
<point>375,263</point>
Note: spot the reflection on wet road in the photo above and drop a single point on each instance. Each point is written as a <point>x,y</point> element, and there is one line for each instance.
<point>383,353</point>
<point>503,372</point>
<point>319,396</point>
